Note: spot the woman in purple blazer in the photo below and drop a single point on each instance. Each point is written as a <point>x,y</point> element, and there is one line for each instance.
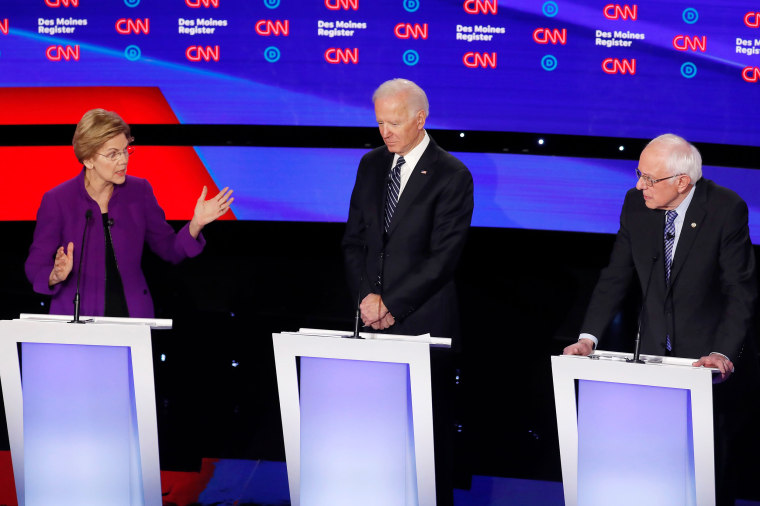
<point>118,214</point>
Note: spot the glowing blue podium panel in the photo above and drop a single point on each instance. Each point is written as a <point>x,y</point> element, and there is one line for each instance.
<point>636,433</point>
<point>80,406</point>
<point>357,418</point>
<point>78,423</point>
<point>352,410</point>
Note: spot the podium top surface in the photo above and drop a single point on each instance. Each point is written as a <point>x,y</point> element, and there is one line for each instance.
<point>154,323</point>
<point>438,342</point>
<point>615,356</point>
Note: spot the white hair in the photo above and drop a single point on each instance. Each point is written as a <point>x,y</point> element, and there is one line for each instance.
<point>416,100</point>
<point>681,156</point>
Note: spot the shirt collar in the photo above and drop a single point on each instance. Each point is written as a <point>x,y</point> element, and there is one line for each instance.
<point>684,205</point>
<point>412,157</point>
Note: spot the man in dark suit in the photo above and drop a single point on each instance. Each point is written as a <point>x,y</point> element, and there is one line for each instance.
<point>407,225</point>
<point>401,262</point>
<point>687,241</point>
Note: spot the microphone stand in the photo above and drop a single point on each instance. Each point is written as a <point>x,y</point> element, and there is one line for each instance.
<point>87,216</point>
<point>357,318</point>
<point>636,352</point>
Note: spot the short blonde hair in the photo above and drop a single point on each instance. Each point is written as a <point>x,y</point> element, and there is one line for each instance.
<point>97,127</point>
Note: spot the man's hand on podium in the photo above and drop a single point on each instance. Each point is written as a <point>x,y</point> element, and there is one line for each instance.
<point>720,362</point>
<point>583,347</point>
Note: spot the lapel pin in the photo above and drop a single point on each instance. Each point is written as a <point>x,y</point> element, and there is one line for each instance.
<point>423,172</point>
<point>693,225</point>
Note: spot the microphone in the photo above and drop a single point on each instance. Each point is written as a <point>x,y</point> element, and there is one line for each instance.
<point>636,353</point>
<point>358,315</point>
<point>87,216</point>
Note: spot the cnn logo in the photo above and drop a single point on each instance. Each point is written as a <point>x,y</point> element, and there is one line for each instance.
<point>201,53</point>
<point>62,3</point>
<point>58,53</point>
<point>126,26</point>
<point>335,55</point>
<point>336,5</point>
<point>481,6</point>
<point>619,66</point>
<point>479,60</point>
<point>266,27</point>
<point>617,11</point>
<point>197,4</point>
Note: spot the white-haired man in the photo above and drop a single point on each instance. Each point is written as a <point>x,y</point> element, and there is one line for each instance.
<point>407,225</point>
<point>686,240</point>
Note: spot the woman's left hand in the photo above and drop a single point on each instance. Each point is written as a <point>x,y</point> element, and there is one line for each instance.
<point>207,211</point>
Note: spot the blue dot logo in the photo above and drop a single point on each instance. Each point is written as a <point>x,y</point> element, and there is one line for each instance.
<point>271,54</point>
<point>271,4</point>
<point>131,3</point>
<point>411,57</point>
<point>688,70</point>
<point>690,15</point>
<point>549,62</point>
<point>411,5</point>
<point>550,9</point>
<point>132,53</point>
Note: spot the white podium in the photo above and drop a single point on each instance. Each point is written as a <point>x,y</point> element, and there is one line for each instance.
<point>357,418</point>
<point>81,410</point>
<point>633,434</point>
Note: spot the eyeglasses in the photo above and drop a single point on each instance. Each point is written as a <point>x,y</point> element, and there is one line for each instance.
<point>649,181</point>
<point>115,156</point>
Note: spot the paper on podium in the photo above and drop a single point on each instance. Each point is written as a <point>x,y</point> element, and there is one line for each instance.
<point>442,342</point>
<point>154,323</point>
<point>616,356</point>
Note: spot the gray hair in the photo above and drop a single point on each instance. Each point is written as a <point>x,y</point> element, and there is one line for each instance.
<point>681,156</point>
<point>416,99</point>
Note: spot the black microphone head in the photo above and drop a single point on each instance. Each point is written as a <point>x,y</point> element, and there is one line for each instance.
<point>88,214</point>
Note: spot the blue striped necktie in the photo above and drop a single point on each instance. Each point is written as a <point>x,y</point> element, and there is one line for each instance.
<point>670,239</point>
<point>394,186</point>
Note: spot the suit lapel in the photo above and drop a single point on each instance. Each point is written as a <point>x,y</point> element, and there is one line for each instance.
<point>655,231</point>
<point>422,173</point>
<point>692,222</point>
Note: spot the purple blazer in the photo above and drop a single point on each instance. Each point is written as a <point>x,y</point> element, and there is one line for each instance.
<point>137,219</point>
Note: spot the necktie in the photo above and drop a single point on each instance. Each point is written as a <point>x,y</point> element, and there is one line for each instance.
<point>394,185</point>
<point>670,237</point>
